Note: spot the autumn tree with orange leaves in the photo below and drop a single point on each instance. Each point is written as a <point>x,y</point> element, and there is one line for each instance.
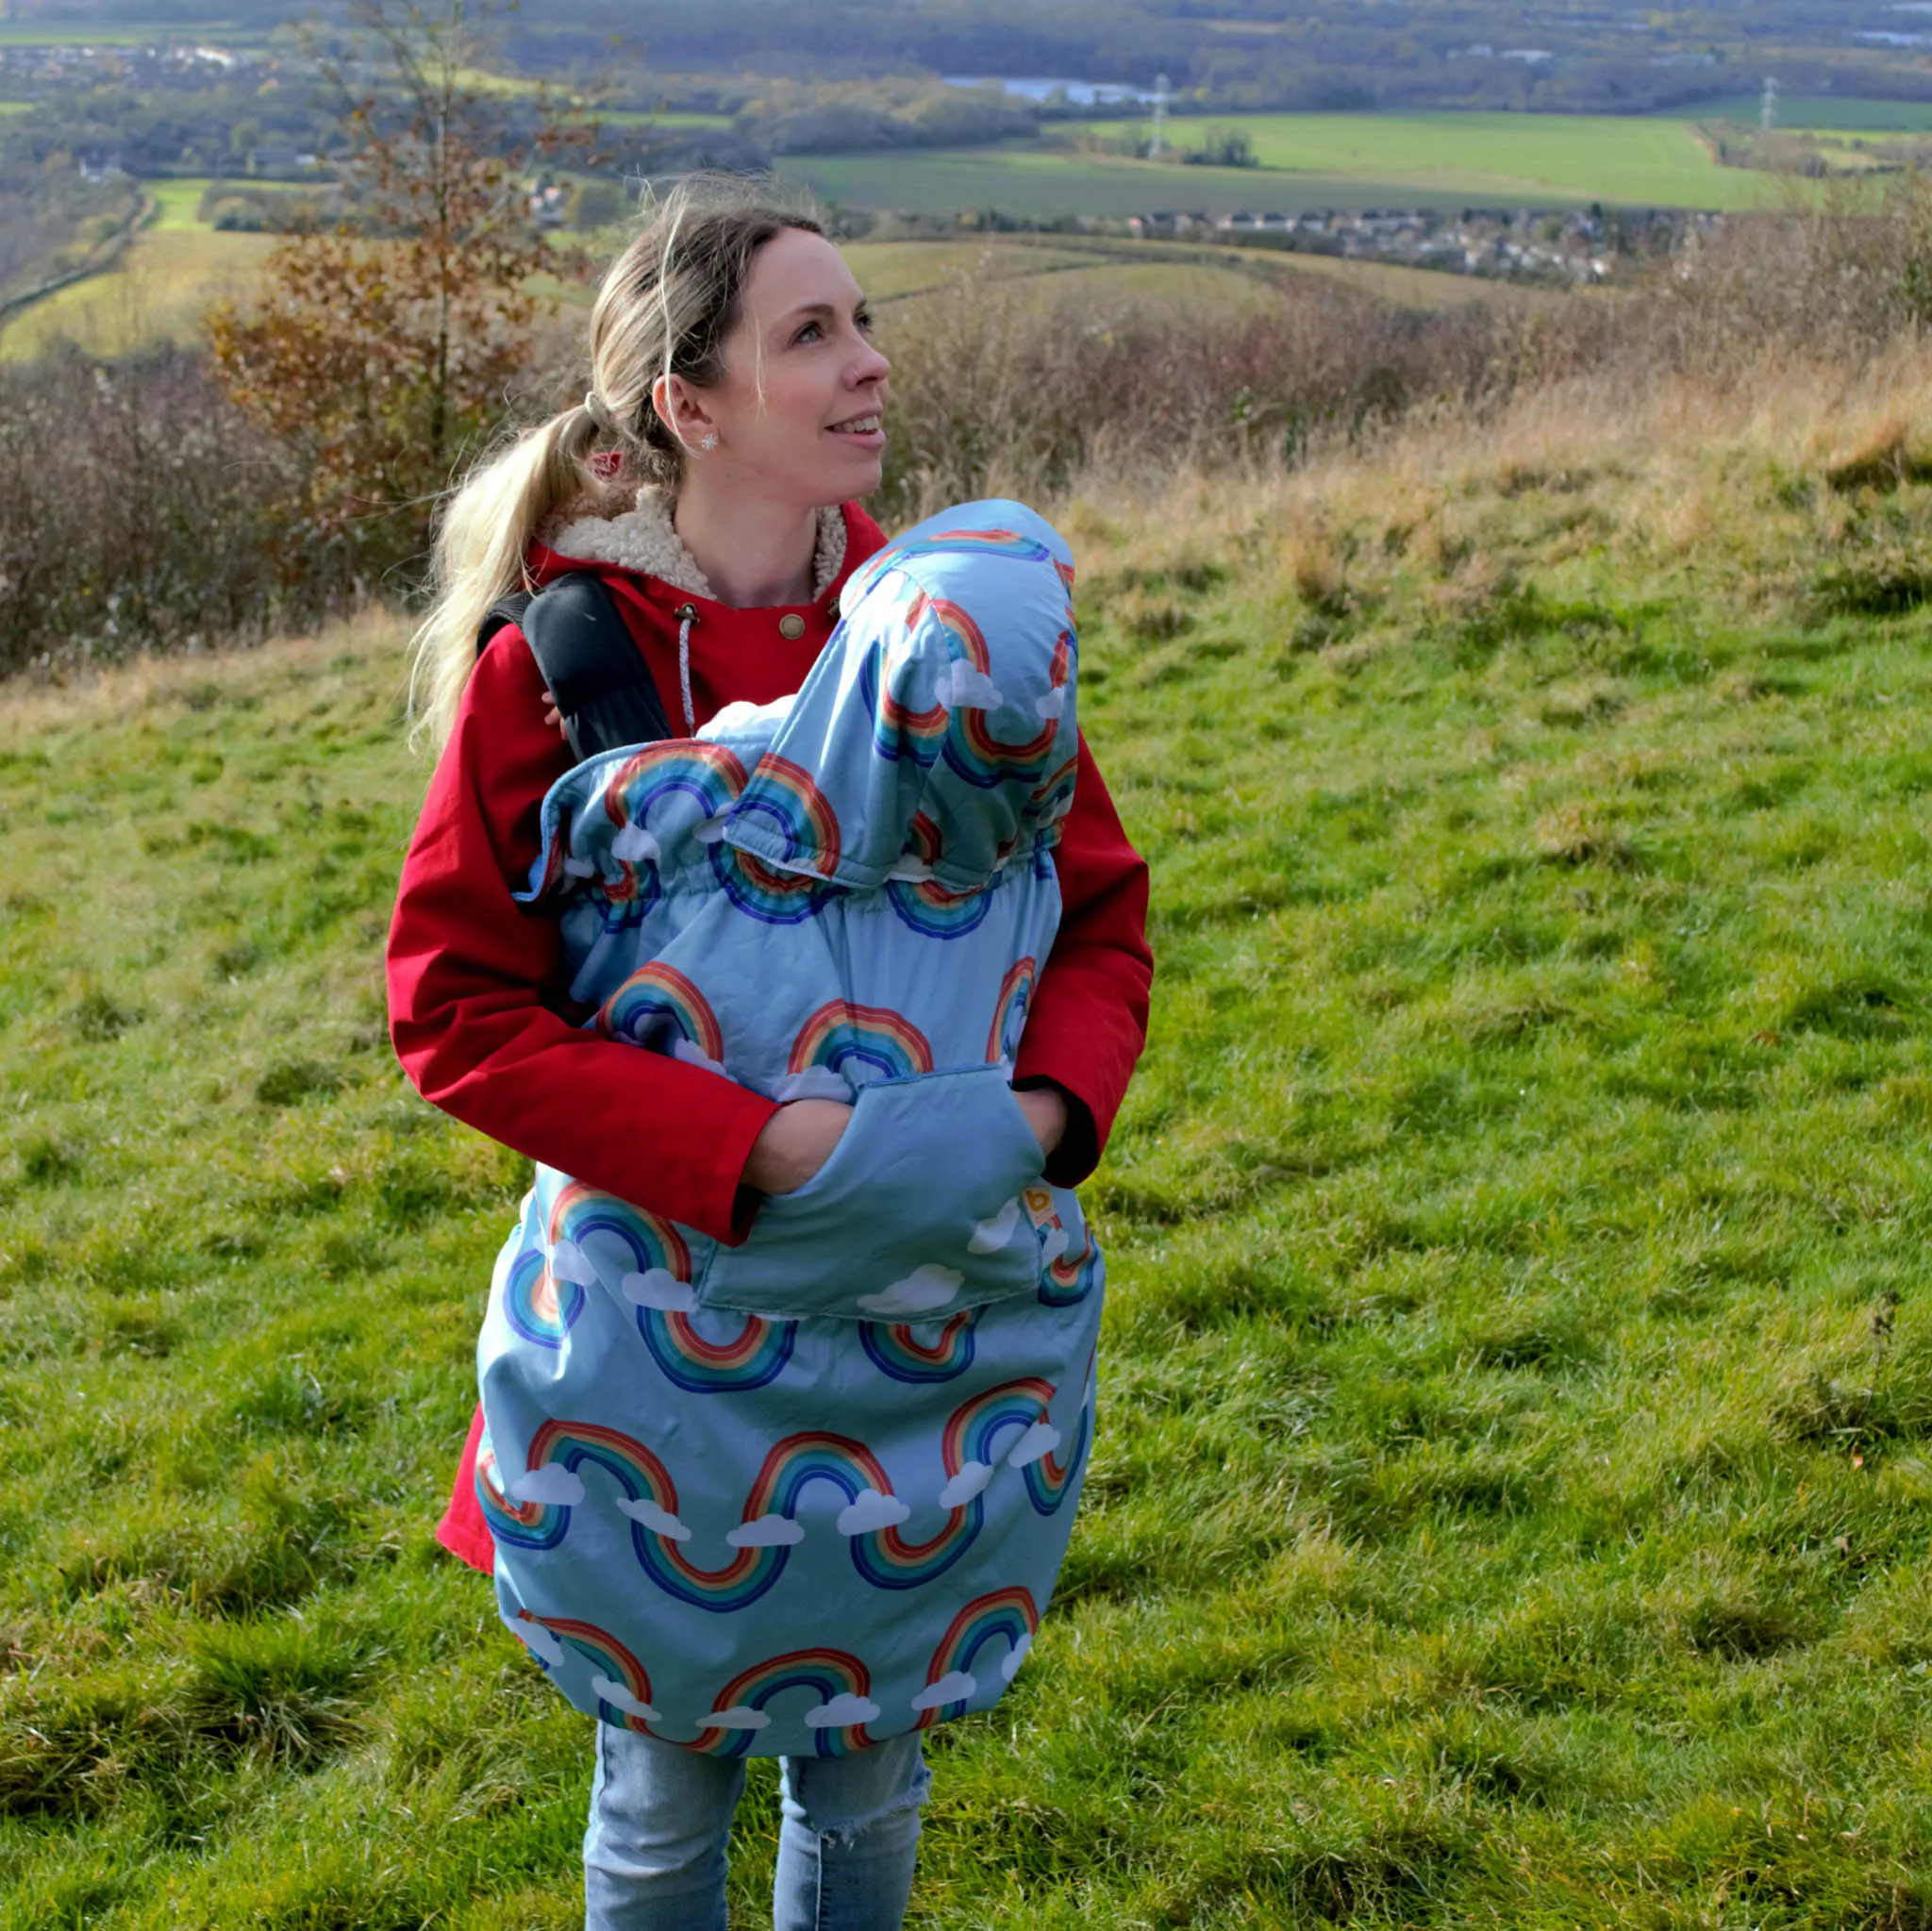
<point>387,347</point>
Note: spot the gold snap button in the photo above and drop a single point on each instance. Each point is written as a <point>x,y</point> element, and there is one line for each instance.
<point>791,625</point>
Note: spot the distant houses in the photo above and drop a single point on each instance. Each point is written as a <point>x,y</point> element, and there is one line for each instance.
<point>1567,246</point>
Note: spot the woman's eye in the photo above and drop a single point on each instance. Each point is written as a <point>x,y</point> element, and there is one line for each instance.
<point>864,321</point>
<point>811,332</point>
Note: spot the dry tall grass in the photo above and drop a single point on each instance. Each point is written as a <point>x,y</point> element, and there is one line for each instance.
<point>137,504</point>
<point>1779,484</point>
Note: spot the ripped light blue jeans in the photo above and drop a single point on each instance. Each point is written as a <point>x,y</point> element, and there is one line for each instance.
<point>660,1816</point>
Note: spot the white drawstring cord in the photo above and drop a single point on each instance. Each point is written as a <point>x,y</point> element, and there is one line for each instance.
<point>687,617</point>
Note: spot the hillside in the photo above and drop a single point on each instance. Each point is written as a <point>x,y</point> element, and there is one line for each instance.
<point>1509,1505</point>
<point>163,288</point>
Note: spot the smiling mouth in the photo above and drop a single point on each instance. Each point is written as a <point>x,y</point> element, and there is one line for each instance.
<point>860,426</point>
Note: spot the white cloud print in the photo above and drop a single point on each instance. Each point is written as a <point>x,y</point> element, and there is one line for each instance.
<point>869,1510</point>
<point>740,1716</point>
<point>767,1532</point>
<point>970,1481</point>
<point>568,1262</point>
<point>922,1290</point>
<point>552,1485</point>
<point>956,1685</point>
<point>618,1697</point>
<point>658,1288</point>
<point>843,1708</point>
<point>989,1236</point>
<point>660,1520</point>
<point>1009,1663</point>
<point>537,1640</point>
<point>633,845</point>
<point>1050,703</point>
<point>1041,1438</point>
<point>959,687</point>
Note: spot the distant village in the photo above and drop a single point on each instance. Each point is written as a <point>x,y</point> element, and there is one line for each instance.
<point>1570,248</point>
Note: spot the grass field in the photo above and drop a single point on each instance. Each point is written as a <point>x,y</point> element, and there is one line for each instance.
<point>158,291</point>
<point>178,265</point>
<point>624,117</point>
<point>1446,161</point>
<point>1044,182</point>
<point>177,205</point>
<point>1512,159</point>
<point>1512,1493</point>
<point>1802,111</point>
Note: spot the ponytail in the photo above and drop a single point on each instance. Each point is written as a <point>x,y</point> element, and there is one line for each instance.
<point>486,532</point>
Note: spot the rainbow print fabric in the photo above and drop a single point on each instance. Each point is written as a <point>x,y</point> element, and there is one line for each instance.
<point>812,1492</point>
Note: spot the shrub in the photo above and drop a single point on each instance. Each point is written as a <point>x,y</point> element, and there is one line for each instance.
<point>137,514</point>
<point>994,389</point>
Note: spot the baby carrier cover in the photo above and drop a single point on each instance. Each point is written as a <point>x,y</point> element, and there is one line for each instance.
<point>812,1492</point>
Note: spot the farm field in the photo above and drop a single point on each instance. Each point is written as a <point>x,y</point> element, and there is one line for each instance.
<point>1447,161</point>
<point>177,205</point>
<point>1047,182</point>
<point>1514,159</point>
<point>157,291</point>
<point>1510,1498</point>
<point>896,271</point>
<point>1803,112</point>
<point>624,117</point>
<point>177,266</point>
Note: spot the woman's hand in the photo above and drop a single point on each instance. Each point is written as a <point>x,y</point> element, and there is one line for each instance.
<point>799,1137</point>
<point>797,1141</point>
<point>1045,1107</point>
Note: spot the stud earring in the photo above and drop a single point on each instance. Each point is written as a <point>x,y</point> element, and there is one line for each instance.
<point>709,440</point>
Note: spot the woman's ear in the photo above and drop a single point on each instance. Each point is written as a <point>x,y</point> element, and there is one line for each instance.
<point>680,408</point>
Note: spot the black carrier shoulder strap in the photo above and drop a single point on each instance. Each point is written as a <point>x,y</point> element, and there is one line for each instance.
<point>590,663</point>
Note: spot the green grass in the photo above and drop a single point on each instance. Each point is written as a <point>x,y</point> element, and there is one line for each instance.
<point>1046,181</point>
<point>1504,1511</point>
<point>177,203</point>
<point>1512,159</point>
<point>158,291</point>
<point>178,265</point>
<point>1423,160</point>
<point>1802,111</point>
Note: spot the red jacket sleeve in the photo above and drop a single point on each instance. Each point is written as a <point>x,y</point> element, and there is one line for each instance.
<point>1088,1023</point>
<point>468,969</point>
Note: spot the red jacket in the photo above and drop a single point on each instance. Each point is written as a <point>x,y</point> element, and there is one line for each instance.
<point>469,970</point>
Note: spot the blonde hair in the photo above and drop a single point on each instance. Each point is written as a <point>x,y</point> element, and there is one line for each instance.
<point>664,308</point>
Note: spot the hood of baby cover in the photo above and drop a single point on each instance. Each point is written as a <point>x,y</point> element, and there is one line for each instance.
<point>936,736</point>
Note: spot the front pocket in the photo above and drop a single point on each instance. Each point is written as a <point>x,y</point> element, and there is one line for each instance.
<point>918,1212</point>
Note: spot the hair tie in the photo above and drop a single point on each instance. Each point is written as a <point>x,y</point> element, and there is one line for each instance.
<point>600,416</point>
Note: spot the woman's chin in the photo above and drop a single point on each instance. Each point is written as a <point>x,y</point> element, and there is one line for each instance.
<point>856,473</point>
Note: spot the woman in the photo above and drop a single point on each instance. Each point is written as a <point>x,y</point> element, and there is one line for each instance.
<point>736,410</point>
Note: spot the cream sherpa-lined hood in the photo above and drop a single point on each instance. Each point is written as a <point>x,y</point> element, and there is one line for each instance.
<point>643,540</point>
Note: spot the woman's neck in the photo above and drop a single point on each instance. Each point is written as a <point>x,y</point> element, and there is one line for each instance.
<point>753,552</point>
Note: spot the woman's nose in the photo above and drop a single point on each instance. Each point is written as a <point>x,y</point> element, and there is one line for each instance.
<point>869,367</point>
